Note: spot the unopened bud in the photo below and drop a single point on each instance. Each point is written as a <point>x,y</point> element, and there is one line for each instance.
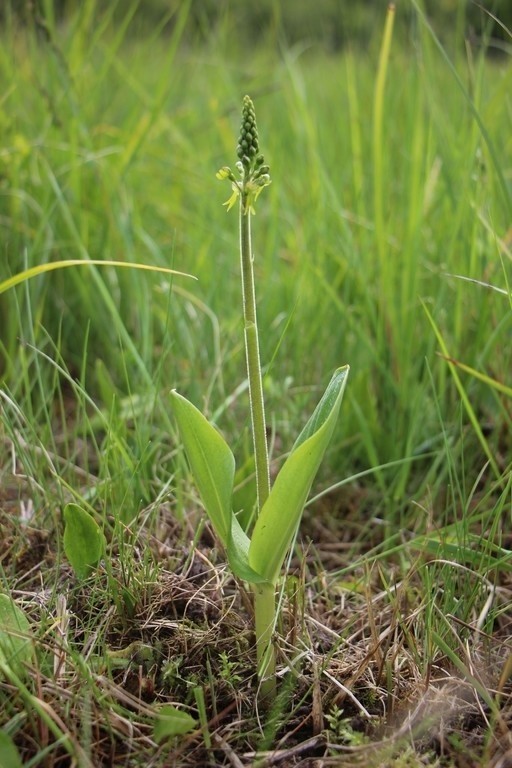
<point>248,145</point>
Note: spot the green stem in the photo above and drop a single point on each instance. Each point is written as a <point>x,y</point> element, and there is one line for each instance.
<point>252,354</point>
<point>264,618</point>
<point>264,594</point>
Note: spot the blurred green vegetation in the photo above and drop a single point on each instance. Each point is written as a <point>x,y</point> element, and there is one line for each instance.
<point>330,23</point>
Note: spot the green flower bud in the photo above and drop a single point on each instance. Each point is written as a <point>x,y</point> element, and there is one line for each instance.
<point>262,170</point>
<point>248,145</point>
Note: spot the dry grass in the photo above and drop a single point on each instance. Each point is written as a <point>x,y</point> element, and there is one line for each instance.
<point>358,685</point>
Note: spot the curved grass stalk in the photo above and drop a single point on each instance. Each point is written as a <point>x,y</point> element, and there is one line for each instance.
<point>39,269</point>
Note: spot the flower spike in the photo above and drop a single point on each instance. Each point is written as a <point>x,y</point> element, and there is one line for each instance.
<point>254,174</point>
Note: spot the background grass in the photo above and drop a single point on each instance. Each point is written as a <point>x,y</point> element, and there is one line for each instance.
<point>105,156</point>
<point>386,194</point>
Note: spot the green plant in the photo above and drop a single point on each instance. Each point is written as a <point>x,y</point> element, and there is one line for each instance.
<point>171,722</point>
<point>16,647</point>
<point>9,755</point>
<point>341,729</point>
<point>257,558</point>
<point>84,541</point>
<point>228,669</point>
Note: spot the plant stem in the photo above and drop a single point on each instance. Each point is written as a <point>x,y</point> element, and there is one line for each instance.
<point>252,354</point>
<point>264,594</point>
<point>264,619</point>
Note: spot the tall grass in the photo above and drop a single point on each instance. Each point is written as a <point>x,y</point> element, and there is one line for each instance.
<point>389,184</point>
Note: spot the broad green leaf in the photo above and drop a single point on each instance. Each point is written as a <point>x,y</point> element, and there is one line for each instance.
<point>172,722</point>
<point>211,461</point>
<point>9,755</point>
<point>281,513</point>
<point>84,541</point>
<point>15,637</point>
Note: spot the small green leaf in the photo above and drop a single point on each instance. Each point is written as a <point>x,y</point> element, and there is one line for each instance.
<point>15,638</point>
<point>84,541</point>
<point>211,461</point>
<point>9,755</point>
<point>281,513</point>
<point>172,722</point>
